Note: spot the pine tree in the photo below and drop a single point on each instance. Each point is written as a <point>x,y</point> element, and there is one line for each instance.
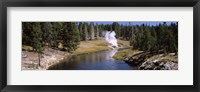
<point>116,28</point>
<point>133,37</point>
<point>47,29</point>
<point>72,38</point>
<point>26,33</point>
<point>154,41</point>
<point>37,39</point>
<point>139,38</point>
<point>81,32</point>
<point>100,30</point>
<point>85,31</point>
<point>56,34</point>
<point>91,32</point>
<point>97,32</point>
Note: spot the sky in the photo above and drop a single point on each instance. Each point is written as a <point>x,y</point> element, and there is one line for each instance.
<point>137,23</point>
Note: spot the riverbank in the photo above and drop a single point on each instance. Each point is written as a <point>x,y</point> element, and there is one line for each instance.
<point>30,60</point>
<point>148,61</point>
<point>51,56</point>
<point>92,46</point>
<point>125,53</point>
<point>86,47</point>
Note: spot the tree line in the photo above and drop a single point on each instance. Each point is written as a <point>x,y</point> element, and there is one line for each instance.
<point>162,37</point>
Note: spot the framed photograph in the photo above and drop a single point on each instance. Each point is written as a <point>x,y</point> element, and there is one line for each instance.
<point>129,45</point>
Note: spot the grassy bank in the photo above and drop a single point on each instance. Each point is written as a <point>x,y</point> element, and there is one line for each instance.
<point>86,47</point>
<point>125,53</point>
<point>129,53</point>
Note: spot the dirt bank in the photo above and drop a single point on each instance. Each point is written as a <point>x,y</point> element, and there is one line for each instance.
<point>50,57</point>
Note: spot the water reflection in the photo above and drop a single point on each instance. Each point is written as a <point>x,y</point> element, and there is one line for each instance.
<point>95,61</point>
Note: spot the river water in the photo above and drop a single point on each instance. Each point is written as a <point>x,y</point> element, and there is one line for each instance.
<point>101,60</point>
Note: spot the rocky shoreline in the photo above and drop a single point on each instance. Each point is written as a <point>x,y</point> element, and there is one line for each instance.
<point>49,58</point>
<point>148,61</point>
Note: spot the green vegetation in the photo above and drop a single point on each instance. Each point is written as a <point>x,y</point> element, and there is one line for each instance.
<point>171,58</point>
<point>40,34</point>
<point>70,36</point>
<point>125,53</point>
<point>155,38</point>
<point>33,37</point>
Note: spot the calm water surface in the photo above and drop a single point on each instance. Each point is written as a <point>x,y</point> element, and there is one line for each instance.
<point>101,60</point>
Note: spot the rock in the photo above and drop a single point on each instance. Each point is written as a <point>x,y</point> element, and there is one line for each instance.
<point>172,54</point>
<point>28,62</point>
<point>156,64</point>
<point>142,61</point>
<point>149,65</point>
<point>161,64</point>
<point>171,66</point>
<point>24,55</point>
<point>126,59</point>
<point>60,46</point>
<point>137,59</point>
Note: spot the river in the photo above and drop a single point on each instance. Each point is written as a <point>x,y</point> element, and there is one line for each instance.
<point>101,60</point>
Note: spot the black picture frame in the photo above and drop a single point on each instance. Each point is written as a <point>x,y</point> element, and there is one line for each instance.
<point>100,3</point>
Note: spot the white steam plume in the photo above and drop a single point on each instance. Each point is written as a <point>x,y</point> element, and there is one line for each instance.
<point>110,38</point>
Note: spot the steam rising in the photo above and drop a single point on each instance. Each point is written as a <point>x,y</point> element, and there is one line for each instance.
<point>110,38</point>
